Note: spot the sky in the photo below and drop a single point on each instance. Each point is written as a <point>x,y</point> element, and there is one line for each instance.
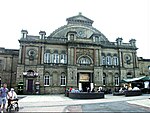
<point>128,19</point>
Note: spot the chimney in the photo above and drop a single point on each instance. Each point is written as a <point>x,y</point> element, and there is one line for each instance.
<point>24,33</point>
<point>119,41</point>
<point>42,34</point>
<point>133,42</point>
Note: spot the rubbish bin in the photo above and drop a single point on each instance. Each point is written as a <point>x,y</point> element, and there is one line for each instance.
<point>20,88</point>
<point>37,87</point>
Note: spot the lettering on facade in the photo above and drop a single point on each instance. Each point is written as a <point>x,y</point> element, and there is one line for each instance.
<point>84,77</point>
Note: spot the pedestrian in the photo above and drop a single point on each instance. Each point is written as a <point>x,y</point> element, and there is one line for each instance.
<point>12,96</point>
<point>88,89</point>
<point>70,89</point>
<point>3,95</point>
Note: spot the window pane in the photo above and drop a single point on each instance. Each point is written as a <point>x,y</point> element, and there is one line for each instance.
<point>63,80</point>
<point>46,80</point>
<point>84,60</point>
<point>116,81</point>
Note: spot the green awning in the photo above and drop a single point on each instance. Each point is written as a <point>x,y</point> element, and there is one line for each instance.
<point>132,79</point>
<point>146,78</point>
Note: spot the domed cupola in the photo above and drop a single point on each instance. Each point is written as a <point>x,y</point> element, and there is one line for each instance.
<point>78,27</point>
<point>80,20</point>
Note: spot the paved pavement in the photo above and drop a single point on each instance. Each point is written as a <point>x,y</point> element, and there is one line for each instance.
<point>60,103</point>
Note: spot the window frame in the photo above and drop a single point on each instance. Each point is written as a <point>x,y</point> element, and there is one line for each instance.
<point>115,61</point>
<point>47,58</point>
<point>55,56</point>
<point>64,57</point>
<point>45,80</point>
<point>108,60</point>
<point>84,61</point>
<point>116,80</point>
<point>63,79</point>
<point>103,60</point>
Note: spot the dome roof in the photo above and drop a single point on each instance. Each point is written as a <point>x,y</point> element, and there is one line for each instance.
<point>79,24</point>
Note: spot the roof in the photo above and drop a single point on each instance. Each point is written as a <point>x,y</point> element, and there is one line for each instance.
<point>80,19</point>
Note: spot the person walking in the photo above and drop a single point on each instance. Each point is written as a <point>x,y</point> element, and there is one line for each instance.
<point>3,96</point>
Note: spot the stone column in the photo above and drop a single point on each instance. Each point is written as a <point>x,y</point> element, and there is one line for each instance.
<point>39,54</point>
<point>42,54</point>
<point>69,56</point>
<point>94,57</point>
<point>20,55</point>
<point>75,56</point>
<point>72,56</point>
<point>23,54</point>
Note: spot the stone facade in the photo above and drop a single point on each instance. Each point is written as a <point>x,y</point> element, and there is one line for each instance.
<point>8,66</point>
<point>144,66</point>
<point>74,55</point>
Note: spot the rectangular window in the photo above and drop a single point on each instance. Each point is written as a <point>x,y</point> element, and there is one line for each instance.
<point>108,60</point>
<point>62,58</point>
<point>46,80</point>
<point>65,59</point>
<point>116,81</point>
<point>55,58</point>
<point>48,57</point>
<point>103,60</point>
<point>96,39</point>
<point>115,59</point>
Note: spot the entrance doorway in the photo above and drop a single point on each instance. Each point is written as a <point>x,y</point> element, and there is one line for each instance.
<point>85,85</point>
<point>30,85</point>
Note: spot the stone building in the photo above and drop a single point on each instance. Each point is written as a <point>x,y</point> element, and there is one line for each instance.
<point>8,66</point>
<point>144,66</point>
<point>74,55</point>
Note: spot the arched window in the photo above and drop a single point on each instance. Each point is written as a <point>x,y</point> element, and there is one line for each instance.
<point>71,36</point>
<point>97,39</point>
<point>115,61</point>
<point>46,79</point>
<point>103,60</point>
<point>47,56</point>
<point>104,79</point>
<point>84,60</point>
<point>63,57</point>
<point>116,79</point>
<point>63,79</point>
<point>108,60</point>
<point>55,57</point>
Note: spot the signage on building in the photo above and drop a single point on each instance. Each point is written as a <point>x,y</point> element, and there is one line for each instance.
<point>84,78</point>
